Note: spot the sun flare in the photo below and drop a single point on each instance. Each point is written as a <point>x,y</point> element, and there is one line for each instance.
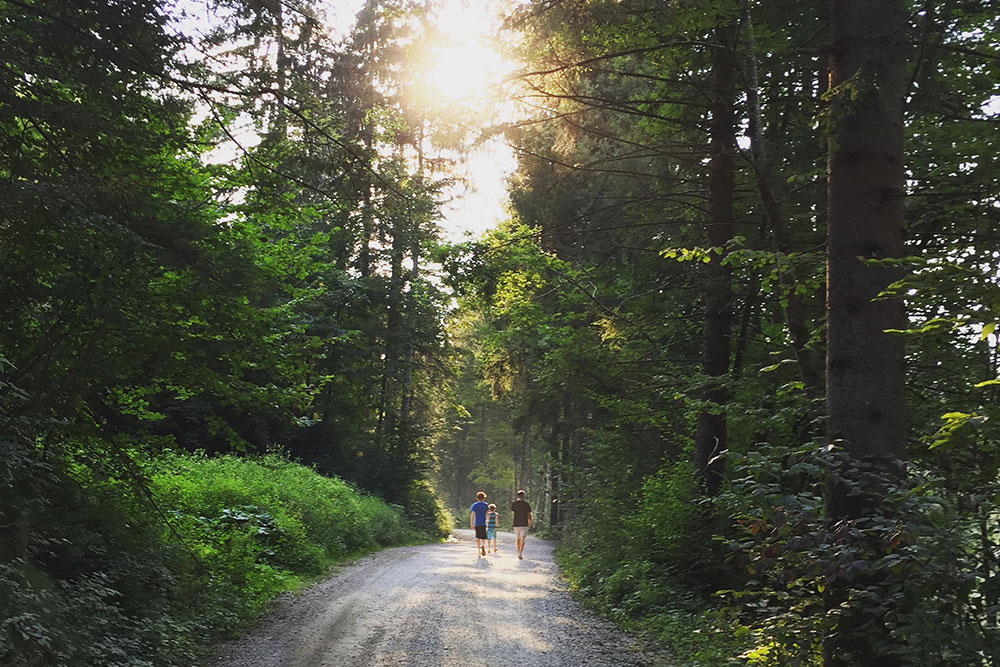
<point>465,62</point>
<point>459,79</point>
<point>460,72</point>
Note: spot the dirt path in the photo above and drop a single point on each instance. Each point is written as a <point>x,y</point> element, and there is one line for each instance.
<point>436,605</point>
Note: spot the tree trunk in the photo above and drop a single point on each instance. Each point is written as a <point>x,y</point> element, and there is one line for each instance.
<point>555,474</point>
<point>392,351</point>
<point>368,205</point>
<point>364,262</point>
<point>483,449</point>
<point>710,438</point>
<point>522,480</point>
<point>413,223</point>
<point>865,382</point>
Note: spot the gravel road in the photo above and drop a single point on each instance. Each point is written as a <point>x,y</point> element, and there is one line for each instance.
<point>437,604</point>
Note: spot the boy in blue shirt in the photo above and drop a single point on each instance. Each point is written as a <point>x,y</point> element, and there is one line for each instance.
<point>477,521</point>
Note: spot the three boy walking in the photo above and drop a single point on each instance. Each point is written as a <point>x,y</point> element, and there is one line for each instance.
<point>482,519</point>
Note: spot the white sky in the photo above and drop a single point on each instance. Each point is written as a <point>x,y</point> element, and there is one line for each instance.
<point>483,204</point>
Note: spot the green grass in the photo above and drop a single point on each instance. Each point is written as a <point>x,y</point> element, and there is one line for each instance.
<point>265,525</point>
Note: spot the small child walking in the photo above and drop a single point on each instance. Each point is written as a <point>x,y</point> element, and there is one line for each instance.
<point>491,527</point>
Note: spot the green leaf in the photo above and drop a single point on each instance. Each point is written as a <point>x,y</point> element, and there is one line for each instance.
<point>774,367</point>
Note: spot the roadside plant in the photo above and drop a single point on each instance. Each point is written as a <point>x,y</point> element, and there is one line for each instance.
<point>905,558</point>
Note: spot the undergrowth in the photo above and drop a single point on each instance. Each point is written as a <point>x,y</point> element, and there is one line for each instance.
<point>651,565</point>
<point>124,561</point>
<point>748,577</point>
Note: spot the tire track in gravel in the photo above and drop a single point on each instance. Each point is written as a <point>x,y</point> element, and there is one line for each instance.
<point>437,604</point>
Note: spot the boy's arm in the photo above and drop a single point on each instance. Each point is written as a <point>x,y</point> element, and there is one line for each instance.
<point>531,519</point>
<point>472,520</point>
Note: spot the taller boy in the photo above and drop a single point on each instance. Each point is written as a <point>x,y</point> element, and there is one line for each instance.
<point>522,520</point>
<point>477,521</point>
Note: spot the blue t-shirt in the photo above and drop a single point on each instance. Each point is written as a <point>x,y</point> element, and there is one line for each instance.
<point>479,508</point>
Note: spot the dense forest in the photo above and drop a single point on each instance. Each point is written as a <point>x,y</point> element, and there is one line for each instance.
<point>735,334</point>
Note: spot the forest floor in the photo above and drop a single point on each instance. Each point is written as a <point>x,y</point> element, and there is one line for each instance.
<point>438,604</point>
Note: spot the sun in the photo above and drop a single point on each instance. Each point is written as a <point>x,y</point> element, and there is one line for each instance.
<point>463,64</point>
<point>461,72</point>
<point>460,76</point>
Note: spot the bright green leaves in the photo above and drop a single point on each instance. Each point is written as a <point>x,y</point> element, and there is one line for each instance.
<point>515,291</point>
<point>703,255</point>
<point>954,423</point>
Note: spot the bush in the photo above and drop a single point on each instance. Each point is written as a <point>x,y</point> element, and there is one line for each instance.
<point>676,531</point>
<point>907,562</point>
<point>261,524</point>
<point>88,581</point>
<point>427,511</point>
<point>102,581</point>
<point>652,565</point>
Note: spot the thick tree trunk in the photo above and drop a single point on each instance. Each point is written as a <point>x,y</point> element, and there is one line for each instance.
<point>865,366</point>
<point>825,63</point>
<point>865,381</point>
<point>710,438</point>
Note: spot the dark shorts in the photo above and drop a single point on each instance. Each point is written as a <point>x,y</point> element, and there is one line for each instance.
<point>480,532</point>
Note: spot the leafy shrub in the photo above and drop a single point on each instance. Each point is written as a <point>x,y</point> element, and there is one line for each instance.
<point>675,530</point>
<point>87,581</point>
<point>428,512</point>
<point>904,563</point>
<point>652,565</point>
<point>260,523</point>
<point>100,580</point>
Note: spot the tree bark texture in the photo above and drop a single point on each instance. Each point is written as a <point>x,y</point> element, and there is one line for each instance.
<point>865,384</point>
<point>710,437</point>
<point>865,371</point>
